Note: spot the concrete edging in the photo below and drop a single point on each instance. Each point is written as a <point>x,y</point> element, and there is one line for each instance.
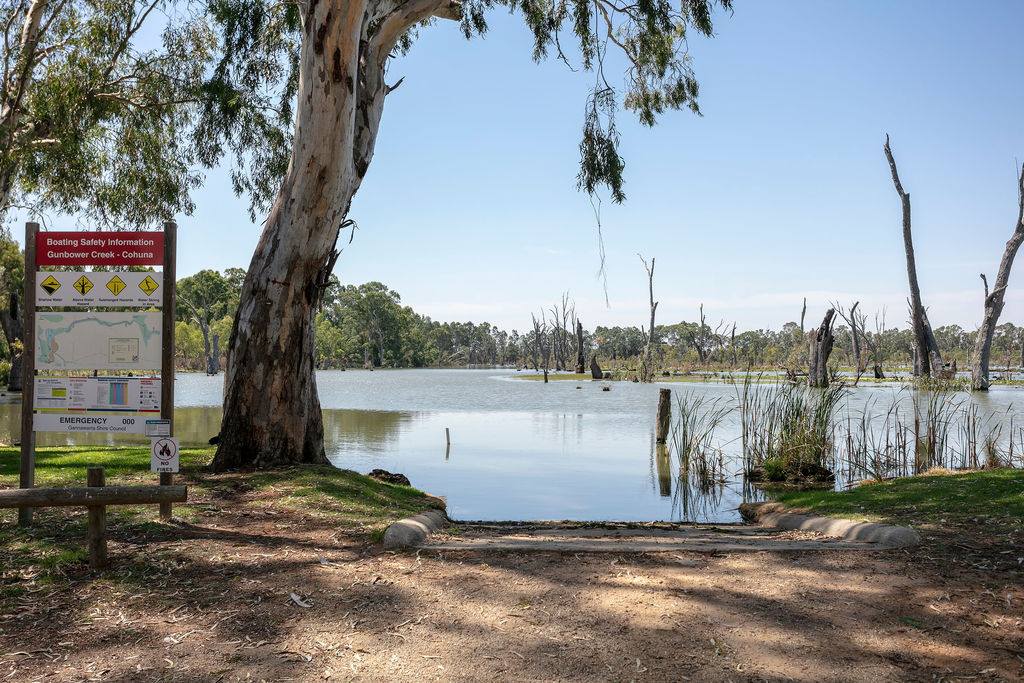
<point>412,531</point>
<point>779,516</point>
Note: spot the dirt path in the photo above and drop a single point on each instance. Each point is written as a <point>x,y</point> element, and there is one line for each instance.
<point>212,601</point>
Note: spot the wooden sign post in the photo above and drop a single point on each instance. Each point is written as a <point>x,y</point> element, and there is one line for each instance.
<point>167,358</point>
<point>108,351</point>
<point>28,372</point>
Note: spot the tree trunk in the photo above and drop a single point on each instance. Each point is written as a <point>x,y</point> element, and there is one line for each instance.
<point>214,366</point>
<point>994,300</point>
<point>272,413</point>
<point>204,329</point>
<point>647,363</point>
<point>581,356</point>
<point>14,330</point>
<point>927,359</point>
<point>595,368</point>
<point>820,349</point>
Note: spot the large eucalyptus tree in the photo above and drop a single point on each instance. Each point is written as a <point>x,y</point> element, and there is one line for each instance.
<point>298,96</point>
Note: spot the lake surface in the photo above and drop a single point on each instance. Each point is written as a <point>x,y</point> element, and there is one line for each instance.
<point>519,449</point>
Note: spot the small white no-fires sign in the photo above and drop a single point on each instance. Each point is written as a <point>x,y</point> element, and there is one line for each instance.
<point>163,454</point>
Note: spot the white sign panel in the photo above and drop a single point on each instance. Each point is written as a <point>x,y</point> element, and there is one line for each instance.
<point>98,394</point>
<point>163,454</point>
<point>90,289</point>
<point>158,427</point>
<point>98,341</point>
<point>63,422</point>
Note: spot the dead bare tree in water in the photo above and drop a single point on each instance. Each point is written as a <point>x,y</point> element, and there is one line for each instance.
<point>851,320</point>
<point>803,314</point>
<point>561,315</point>
<point>874,345</point>
<point>820,349</point>
<point>927,359</point>
<point>732,344</point>
<point>700,340</point>
<point>540,350</point>
<point>581,354</point>
<point>647,362</point>
<point>994,299</point>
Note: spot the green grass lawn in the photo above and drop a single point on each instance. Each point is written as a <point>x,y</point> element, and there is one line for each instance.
<point>56,542</point>
<point>993,498</point>
<point>316,489</point>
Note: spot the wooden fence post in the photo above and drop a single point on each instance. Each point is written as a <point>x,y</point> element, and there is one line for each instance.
<point>664,415</point>
<point>97,523</point>
<point>167,359</point>
<point>28,370</point>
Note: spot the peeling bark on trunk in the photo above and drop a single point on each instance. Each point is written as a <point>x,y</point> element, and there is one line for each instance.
<point>820,348</point>
<point>272,413</point>
<point>994,299</point>
<point>927,359</point>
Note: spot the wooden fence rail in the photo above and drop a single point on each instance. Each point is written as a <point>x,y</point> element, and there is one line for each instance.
<point>96,496</point>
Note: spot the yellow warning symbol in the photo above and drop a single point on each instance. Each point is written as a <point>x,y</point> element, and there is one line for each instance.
<point>116,285</point>
<point>83,285</point>
<point>50,284</point>
<point>149,285</point>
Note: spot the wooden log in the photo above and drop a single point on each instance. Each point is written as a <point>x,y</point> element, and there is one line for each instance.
<point>664,421</point>
<point>97,523</point>
<point>28,369</point>
<point>88,496</point>
<point>167,355</point>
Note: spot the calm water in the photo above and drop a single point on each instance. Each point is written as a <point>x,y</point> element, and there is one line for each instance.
<point>520,449</point>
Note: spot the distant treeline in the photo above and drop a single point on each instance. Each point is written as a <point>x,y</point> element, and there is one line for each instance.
<point>368,326</point>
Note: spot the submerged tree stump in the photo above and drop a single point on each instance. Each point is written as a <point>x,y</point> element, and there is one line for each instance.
<point>595,369</point>
<point>664,421</point>
<point>821,341</point>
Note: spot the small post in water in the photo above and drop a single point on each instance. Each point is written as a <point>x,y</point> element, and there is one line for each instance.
<point>447,437</point>
<point>97,523</point>
<point>664,415</point>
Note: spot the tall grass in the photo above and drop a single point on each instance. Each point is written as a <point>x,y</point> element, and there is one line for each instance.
<point>923,430</point>
<point>787,431</point>
<point>693,436</point>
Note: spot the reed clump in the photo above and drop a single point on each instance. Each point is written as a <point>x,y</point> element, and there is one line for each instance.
<point>788,432</point>
<point>698,418</point>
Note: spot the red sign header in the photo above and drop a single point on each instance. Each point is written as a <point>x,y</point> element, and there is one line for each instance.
<point>99,248</point>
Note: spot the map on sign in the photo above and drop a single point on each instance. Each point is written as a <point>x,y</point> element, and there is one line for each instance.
<point>98,341</point>
<point>99,288</point>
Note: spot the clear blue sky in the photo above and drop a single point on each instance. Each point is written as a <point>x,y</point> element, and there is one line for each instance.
<point>780,191</point>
